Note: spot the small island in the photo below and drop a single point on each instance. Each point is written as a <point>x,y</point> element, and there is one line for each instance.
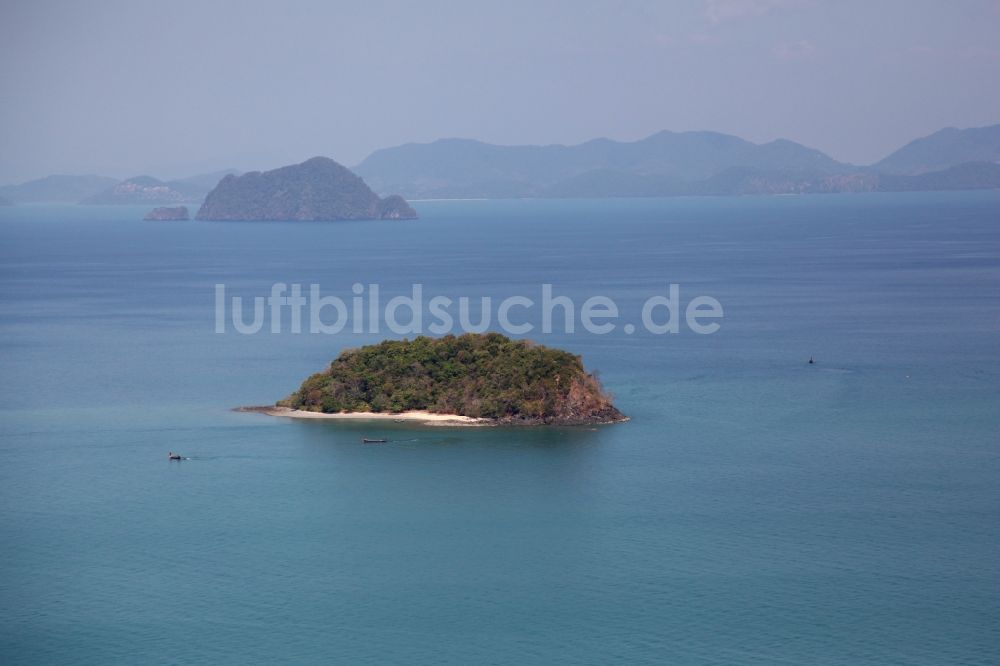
<point>166,213</point>
<point>316,190</point>
<point>472,379</point>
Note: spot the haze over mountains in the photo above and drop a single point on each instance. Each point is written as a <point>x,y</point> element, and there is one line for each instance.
<point>944,149</point>
<point>466,168</point>
<point>102,190</point>
<point>57,189</point>
<point>149,190</point>
<point>669,163</point>
<point>664,164</point>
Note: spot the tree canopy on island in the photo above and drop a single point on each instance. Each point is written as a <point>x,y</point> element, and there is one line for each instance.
<point>478,375</point>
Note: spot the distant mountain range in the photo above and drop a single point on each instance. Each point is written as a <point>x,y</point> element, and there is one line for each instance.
<point>664,164</point>
<point>670,164</point>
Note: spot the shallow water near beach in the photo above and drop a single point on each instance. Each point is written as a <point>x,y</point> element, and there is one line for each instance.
<point>756,509</point>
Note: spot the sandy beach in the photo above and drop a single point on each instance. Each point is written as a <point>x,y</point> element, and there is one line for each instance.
<point>418,416</point>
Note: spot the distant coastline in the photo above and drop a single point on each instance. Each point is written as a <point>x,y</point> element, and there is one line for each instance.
<point>665,164</point>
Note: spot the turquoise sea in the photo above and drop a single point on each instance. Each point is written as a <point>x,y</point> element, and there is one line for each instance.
<point>755,510</point>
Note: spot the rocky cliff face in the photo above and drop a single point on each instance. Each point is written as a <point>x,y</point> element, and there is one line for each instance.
<point>317,189</point>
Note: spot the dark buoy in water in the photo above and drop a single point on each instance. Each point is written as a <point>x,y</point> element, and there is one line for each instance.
<point>811,361</point>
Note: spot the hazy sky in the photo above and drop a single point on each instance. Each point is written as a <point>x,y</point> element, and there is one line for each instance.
<point>173,88</point>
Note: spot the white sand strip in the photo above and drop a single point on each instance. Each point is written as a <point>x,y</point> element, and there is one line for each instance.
<point>416,415</point>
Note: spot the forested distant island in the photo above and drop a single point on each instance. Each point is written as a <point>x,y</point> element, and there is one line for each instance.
<point>486,377</point>
<point>317,189</point>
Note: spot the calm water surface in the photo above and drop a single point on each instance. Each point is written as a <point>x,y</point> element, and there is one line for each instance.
<point>755,509</point>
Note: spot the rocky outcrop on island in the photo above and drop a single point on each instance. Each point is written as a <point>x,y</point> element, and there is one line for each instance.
<point>168,213</point>
<point>317,189</point>
<point>482,376</point>
<point>394,207</point>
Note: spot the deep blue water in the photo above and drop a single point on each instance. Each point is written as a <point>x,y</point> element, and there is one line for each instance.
<point>755,510</point>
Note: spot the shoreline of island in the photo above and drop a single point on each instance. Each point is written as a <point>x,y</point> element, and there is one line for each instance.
<point>415,416</point>
<point>419,416</point>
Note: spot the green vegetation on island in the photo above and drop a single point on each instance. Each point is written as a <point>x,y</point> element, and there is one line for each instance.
<point>485,376</point>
